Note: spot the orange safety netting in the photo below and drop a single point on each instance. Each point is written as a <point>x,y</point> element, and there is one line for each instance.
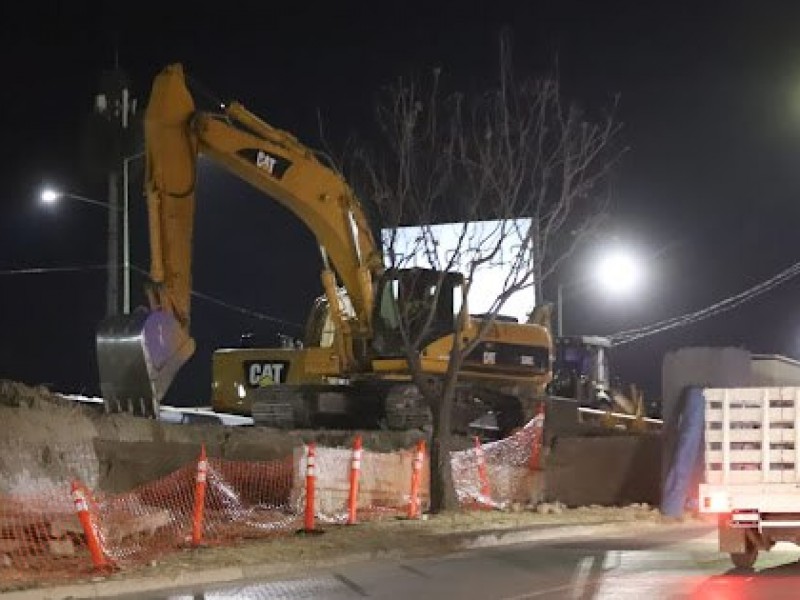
<point>242,500</point>
<point>501,473</point>
<point>42,537</point>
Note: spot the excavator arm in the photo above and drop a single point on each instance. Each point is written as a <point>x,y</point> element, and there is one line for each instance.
<point>139,354</point>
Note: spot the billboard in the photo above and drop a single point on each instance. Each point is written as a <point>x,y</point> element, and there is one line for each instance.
<point>455,246</point>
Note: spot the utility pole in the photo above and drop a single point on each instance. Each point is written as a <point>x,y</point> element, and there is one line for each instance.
<point>114,104</point>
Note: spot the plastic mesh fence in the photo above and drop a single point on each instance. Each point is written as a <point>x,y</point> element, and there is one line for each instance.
<point>135,526</point>
<point>248,499</point>
<point>242,500</point>
<point>41,538</point>
<point>501,473</point>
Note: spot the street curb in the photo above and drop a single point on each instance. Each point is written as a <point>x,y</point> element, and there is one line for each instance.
<point>223,575</point>
<point>520,536</point>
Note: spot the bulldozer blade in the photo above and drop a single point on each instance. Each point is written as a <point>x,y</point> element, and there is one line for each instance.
<point>138,356</point>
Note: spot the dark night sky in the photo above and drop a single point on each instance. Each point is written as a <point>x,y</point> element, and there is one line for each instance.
<point>710,100</point>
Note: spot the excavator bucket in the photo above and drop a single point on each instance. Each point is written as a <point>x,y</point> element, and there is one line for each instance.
<point>138,356</point>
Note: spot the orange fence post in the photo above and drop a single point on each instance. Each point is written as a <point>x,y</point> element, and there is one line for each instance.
<point>416,470</point>
<point>483,475</point>
<point>310,486</point>
<point>87,523</point>
<point>535,460</point>
<point>199,497</point>
<point>355,468</point>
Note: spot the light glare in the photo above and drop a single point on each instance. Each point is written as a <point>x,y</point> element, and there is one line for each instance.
<point>49,196</point>
<point>618,272</point>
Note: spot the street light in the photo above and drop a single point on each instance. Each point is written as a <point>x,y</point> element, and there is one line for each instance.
<point>618,272</point>
<point>50,197</point>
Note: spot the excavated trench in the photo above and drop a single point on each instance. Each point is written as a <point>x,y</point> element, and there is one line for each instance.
<point>47,440</point>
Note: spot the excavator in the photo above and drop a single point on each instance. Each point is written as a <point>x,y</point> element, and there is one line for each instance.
<point>350,368</point>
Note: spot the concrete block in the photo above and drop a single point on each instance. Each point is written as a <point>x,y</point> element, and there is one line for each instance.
<point>384,482</point>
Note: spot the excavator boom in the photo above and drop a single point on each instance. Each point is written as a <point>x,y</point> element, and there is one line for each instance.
<point>139,354</point>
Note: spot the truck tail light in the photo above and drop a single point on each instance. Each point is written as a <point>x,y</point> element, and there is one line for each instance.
<point>716,502</point>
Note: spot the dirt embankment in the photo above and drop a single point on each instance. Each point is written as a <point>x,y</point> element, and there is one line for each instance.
<point>47,440</point>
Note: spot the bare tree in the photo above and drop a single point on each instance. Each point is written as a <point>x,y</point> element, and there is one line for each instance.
<point>519,176</point>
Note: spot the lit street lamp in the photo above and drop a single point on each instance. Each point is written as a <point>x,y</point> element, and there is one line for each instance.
<point>50,197</point>
<point>619,273</point>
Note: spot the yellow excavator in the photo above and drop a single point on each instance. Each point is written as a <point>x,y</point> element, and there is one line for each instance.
<point>349,369</point>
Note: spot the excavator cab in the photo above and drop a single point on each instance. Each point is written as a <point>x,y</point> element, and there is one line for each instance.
<point>424,301</point>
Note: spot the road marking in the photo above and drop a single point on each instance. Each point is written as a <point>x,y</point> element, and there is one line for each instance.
<point>613,560</point>
<point>581,576</point>
<point>415,571</point>
<point>536,594</point>
<point>351,584</point>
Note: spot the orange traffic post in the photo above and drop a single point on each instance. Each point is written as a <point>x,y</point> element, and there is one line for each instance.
<point>483,475</point>
<point>199,497</point>
<point>416,470</point>
<point>355,470</point>
<point>535,460</point>
<point>87,523</point>
<point>311,483</point>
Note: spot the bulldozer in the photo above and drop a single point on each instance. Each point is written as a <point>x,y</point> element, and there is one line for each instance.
<point>582,371</point>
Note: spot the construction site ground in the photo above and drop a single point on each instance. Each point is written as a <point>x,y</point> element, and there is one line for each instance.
<point>289,554</point>
<point>46,440</point>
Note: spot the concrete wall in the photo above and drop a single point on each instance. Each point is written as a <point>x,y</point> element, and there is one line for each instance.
<point>774,370</point>
<point>700,367</point>
<point>385,480</point>
<point>609,471</point>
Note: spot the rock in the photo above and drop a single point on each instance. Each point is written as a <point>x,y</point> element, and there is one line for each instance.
<point>550,508</point>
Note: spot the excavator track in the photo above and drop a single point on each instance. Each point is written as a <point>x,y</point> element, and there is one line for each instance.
<point>397,407</point>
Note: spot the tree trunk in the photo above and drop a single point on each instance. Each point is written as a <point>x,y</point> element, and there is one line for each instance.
<point>443,494</point>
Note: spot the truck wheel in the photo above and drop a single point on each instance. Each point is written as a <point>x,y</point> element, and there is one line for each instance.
<point>746,559</point>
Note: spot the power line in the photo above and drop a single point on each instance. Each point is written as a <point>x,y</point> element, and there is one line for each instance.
<point>197,294</point>
<point>41,270</point>
<point>245,311</point>
<point>241,310</point>
<point>630,335</point>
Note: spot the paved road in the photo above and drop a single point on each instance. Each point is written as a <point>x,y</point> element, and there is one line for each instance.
<point>671,565</point>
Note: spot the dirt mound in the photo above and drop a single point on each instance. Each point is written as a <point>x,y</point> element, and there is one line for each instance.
<point>18,395</point>
<point>45,440</point>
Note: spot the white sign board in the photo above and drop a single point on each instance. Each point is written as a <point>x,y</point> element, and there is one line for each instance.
<point>435,246</point>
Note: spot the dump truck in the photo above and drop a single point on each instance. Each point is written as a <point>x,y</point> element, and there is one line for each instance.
<point>752,468</point>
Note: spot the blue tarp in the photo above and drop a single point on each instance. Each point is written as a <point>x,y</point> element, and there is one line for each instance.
<point>685,467</point>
